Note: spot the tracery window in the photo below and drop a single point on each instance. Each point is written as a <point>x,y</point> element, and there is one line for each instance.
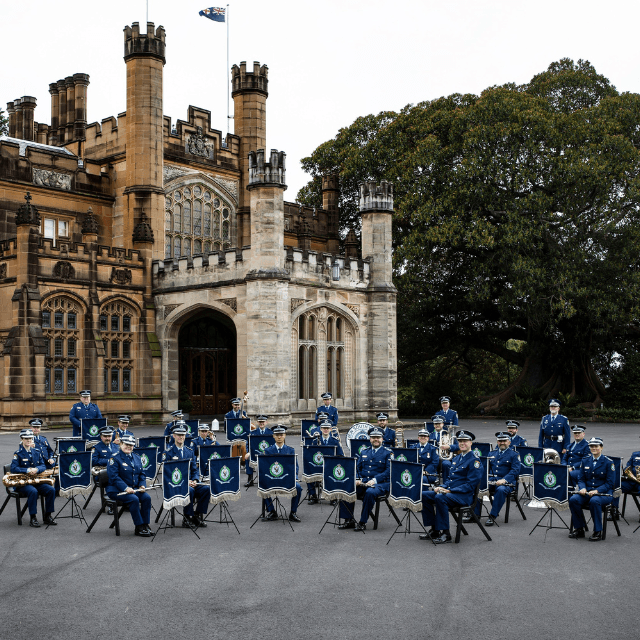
<point>117,326</point>
<point>197,220</point>
<point>63,345</point>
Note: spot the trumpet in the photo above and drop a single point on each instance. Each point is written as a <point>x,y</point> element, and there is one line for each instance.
<point>399,426</point>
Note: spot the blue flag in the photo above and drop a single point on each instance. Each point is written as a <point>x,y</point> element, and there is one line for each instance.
<point>90,429</point>
<point>277,475</point>
<point>405,488</point>
<point>213,13</point>
<point>529,456</point>
<point>74,471</point>
<point>212,452</point>
<point>70,445</point>
<point>408,454</point>
<point>551,484</point>
<point>224,478</point>
<point>339,478</point>
<point>238,429</point>
<point>149,461</point>
<point>313,461</point>
<point>483,490</point>
<point>192,428</point>
<point>257,444</point>
<point>481,449</point>
<point>175,483</point>
<point>356,446</point>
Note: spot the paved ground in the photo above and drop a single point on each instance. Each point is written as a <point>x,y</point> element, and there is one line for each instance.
<point>270,581</point>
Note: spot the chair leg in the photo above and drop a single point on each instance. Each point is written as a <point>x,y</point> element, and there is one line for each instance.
<point>506,511</point>
<point>376,514</point>
<point>391,510</point>
<point>100,512</point>
<point>19,511</point>
<point>116,514</point>
<point>86,504</point>
<point>477,521</point>
<point>6,502</point>
<point>457,517</point>
<point>624,504</point>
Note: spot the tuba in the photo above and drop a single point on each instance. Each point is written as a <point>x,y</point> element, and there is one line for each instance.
<point>551,456</point>
<point>446,438</point>
<point>400,441</point>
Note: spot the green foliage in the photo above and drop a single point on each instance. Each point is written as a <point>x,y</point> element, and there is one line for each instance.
<point>4,124</point>
<point>625,385</point>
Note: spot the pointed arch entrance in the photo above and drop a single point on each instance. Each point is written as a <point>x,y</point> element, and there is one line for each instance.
<point>207,352</point>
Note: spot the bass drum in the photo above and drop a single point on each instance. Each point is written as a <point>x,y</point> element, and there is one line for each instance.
<point>359,431</point>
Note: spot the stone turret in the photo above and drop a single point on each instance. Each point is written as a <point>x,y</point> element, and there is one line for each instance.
<point>330,199</point>
<point>68,109</point>
<point>376,210</point>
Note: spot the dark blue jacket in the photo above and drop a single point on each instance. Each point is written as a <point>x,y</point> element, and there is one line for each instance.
<point>43,444</point>
<point>428,456</point>
<point>552,428</point>
<point>102,452</point>
<point>331,411</point>
<point>518,441</point>
<point>389,437</point>
<point>198,441</point>
<point>24,460</point>
<point>125,471</point>
<point>80,412</point>
<point>576,453</point>
<point>599,476</point>
<point>504,465</point>
<point>122,432</point>
<point>374,464</point>
<point>173,453</point>
<point>464,475</point>
<point>450,416</point>
<point>333,442</point>
<point>285,450</point>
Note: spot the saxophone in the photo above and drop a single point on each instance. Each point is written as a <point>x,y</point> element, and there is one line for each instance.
<point>20,479</point>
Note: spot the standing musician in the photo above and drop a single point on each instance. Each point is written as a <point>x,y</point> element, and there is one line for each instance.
<point>436,435</point>
<point>83,410</point>
<point>326,440</point>
<point>28,459</point>
<point>373,468</point>
<point>450,416</point>
<point>328,408</point>
<point>104,449</point>
<point>459,489</point>
<point>199,493</point>
<point>126,477</point>
<point>577,451</point>
<point>427,455</point>
<point>628,485</point>
<point>554,429</point>
<point>177,415</point>
<point>512,430</point>
<point>596,480</point>
<point>388,434</point>
<point>279,434</point>
<point>122,429</point>
<point>260,430</point>
<point>42,443</point>
<point>504,469</point>
<point>204,437</point>
<point>235,409</point>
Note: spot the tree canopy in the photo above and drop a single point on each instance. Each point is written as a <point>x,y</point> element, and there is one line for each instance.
<point>516,218</point>
<point>4,124</point>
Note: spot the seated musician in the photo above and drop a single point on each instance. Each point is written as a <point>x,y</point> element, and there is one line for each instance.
<point>577,451</point>
<point>504,469</point>
<point>205,437</point>
<point>127,485</point>
<point>314,430</point>
<point>28,459</point>
<point>42,443</point>
<point>199,493</point>
<point>260,430</point>
<point>512,430</point>
<point>83,410</point>
<point>328,408</point>
<point>595,480</point>
<point>122,429</point>
<point>104,449</point>
<point>326,440</point>
<point>427,455</point>
<point>458,490</point>
<point>279,435</point>
<point>373,468</point>
<point>629,485</point>
<point>388,434</point>
<point>435,437</point>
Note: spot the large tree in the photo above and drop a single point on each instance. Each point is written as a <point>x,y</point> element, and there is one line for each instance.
<point>517,218</point>
<point>4,124</point>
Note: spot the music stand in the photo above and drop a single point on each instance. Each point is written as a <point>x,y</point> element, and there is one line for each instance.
<point>405,491</point>
<point>224,485</point>
<point>339,483</point>
<point>272,472</point>
<point>351,508</point>
<point>76,466</point>
<point>76,511</point>
<point>546,476</point>
<point>279,509</point>
<point>170,514</point>
<point>225,516</point>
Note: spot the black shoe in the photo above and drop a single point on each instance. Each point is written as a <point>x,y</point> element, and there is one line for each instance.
<point>48,520</point>
<point>466,518</point>
<point>614,514</point>
<point>313,500</point>
<point>360,526</point>
<point>186,523</point>
<point>109,511</point>
<point>249,482</point>
<point>33,522</point>
<point>348,524</point>
<point>432,533</point>
<point>141,530</point>
<point>577,533</point>
<point>293,517</point>
<point>595,536</point>
<point>270,517</point>
<point>489,522</point>
<point>444,537</point>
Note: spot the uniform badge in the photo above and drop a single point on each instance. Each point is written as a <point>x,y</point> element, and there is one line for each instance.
<point>613,467</point>
<point>111,461</point>
<point>550,479</point>
<point>477,464</point>
<point>15,457</point>
<point>406,478</point>
<point>124,464</point>
<point>225,473</point>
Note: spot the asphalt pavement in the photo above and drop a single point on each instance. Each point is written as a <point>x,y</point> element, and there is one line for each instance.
<point>270,581</point>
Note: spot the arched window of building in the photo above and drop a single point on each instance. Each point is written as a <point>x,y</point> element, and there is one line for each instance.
<point>118,327</point>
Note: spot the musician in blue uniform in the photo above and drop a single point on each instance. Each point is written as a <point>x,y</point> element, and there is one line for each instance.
<point>512,430</point>
<point>235,409</point>
<point>449,415</point>
<point>326,440</point>
<point>329,409</point>
<point>199,493</point>
<point>388,434</point>
<point>373,469</point>
<point>83,410</point>
<point>279,434</point>
<point>554,429</point>
<point>177,415</point>
<point>452,448</point>
<point>205,437</point>
<point>427,455</point>
<point>577,451</point>
<point>459,489</point>
<point>504,469</point>
<point>126,477</point>
<point>104,449</point>
<point>260,430</point>
<point>596,480</point>
<point>314,430</point>
<point>42,443</point>
<point>122,429</point>
<point>28,459</point>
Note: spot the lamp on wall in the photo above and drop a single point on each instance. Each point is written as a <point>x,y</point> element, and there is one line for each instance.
<point>335,270</point>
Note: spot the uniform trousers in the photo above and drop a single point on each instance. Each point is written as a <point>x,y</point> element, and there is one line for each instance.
<point>368,496</point>
<point>576,502</point>
<point>31,492</point>
<point>139,506</point>
<point>500,494</point>
<point>199,495</point>
<point>435,508</point>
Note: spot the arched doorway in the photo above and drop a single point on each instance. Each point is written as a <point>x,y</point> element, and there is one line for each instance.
<point>207,347</point>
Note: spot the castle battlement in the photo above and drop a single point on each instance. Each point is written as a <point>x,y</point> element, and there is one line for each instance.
<point>272,172</point>
<point>247,81</point>
<point>151,43</point>
<point>376,197</point>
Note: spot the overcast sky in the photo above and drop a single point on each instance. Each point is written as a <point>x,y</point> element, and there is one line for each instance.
<point>329,62</point>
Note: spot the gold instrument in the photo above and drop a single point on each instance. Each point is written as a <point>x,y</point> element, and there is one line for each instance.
<point>551,456</point>
<point>20,479</point>
<point>446,439</point>
<point>336,434</point>
<point>629,475</point>
<point>399,427</point>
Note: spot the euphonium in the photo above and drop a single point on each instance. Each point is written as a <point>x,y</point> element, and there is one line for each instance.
<point>551,456</point>
<point>629,475</point>
<point>336,434</point>
<point>399,426</point>
<point>446,438</point>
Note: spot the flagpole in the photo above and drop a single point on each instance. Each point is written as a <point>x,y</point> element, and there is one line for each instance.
<point>228,117</point>
<point>147,11</point>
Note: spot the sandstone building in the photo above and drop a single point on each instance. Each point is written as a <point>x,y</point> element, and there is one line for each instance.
<point>140,258</point>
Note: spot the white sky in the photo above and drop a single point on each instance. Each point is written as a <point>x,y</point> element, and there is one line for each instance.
<point>329,62</point>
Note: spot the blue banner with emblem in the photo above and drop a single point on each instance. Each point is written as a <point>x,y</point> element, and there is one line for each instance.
<point>74,473</point>
<point>429,427</point>
<point>617,487</point>
<point>277,475</point>
<point>551,484</point>
<point>212,452</point>
<point>313,461</point>
<point>356,446</point>
<point>90,429</point>
<point>70,445</point>
<point>152,441</point>
<point>257,444</point>
<point>307,426</point>
<point>175,483</point>
<point>483,489</point>
<point>405,454</point>
<point>339,478</point>
<point>192,428</point>
<point>238,429</point>
<point>224,479</point>
<point>480,449</point>
<point>149,461</point>
<point>528,457</point>
<point>405,485</point>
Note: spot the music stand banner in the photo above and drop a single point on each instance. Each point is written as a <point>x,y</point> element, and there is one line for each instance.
<point>74,473</point>
<point>212,452</point>
<point>483,490</point>
<point>405,488</point>
<point>224,479</point>
<point>72,445</point>
<point>313,461</point>
<point>339,478</point>
<point>528,457</point>
<point>237,429</point>
<point>481,449</point>
<point>617,487</point>
<point>277,475</point>
<point>307,426</point>
<point>175,484</point>
<point>257,444</point>
<point>356,445</point>
<point>192,428</point>
<point>551,485</point>
<point>90,429</point>
<point>152,441</point>
<point>149,461</point>
<point>406,454</point>
<point>429,427</point>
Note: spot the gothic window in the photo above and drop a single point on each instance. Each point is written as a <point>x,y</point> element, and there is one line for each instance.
<point>197,219</point>
<point>118,346</point>
<point>63,344</point>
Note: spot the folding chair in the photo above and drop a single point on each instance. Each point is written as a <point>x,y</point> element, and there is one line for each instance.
<point>376,512</point>
<point>102,482</point>
<point>12,493</point>
<point>457,513</point>
<point>606,510</point>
